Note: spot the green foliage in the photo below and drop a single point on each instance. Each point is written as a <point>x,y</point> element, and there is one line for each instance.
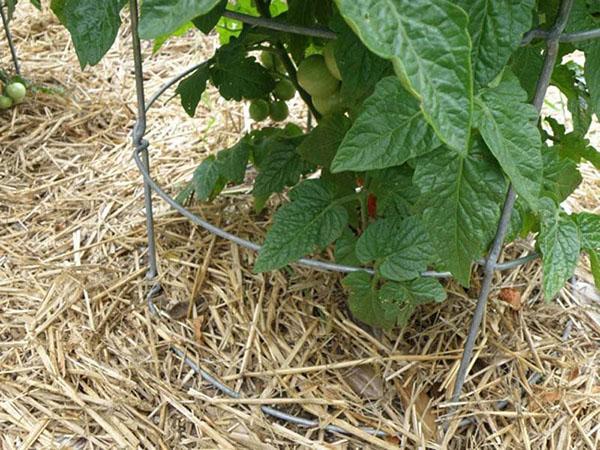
<point>93,26</point>
<point>391,304</point>
<point>207,22</point>
<point>461,198</point>
<point>389,131</point>
<point>190,89</point>
<point>496,27</point>
<point>238,76</point>
<point>560,246</point>
<point>426,117</point>
<point>400,248</point>
<point>393,29</point>
<point>321,144</point>
<point>163,17</point>
<point>312,220</point>
<point>517,148</point>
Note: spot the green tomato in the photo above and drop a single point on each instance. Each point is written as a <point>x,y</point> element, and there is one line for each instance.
<point>292,130</point>
<point>16,91</point>
<point>5,102</point>
<point>315,78</point>
<point>266,59</point>
<point>278,110</point>
<point>284,90</point>
<point>330,61</point>
<point>272,62</point>
<point>328,104</point>
<point>259,110</point>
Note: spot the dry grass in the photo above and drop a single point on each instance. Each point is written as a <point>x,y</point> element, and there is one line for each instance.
<point>83,364</point>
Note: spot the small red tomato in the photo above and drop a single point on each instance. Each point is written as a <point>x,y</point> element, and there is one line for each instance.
<point>372,205</point>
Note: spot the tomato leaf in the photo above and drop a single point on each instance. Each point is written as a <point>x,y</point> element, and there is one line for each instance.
<point>360,68</point>
<point>412,294</point>
<point>396,194</point>
<point>232,162</point>
<point>559,243</point>
<point>208,21</point>
<point>281,167</point>
<point>392,304</point>
<point>345,248</point>
<point>592,74</point>
<point>366,304</point>
<point>461,197</point>
<point>496,28</point>
<point>321,145</point>
<point>163,17</point>
<point>595,266</point>
<point>508,126</point>
<point>569,81</point>
<point>205,179</point>
<point>400,247</point>
<point>10,8</point>
<point>561,176</point>
<point>589,230</point>
<point>430,48</point>
<point>238,76</point>
<point>582,19</point>
<point>93,26</point>
<point>576,147</point>
<point>191,88</point>
<point>311,221</point>
<point>526,63</point>
<point>390,130</point>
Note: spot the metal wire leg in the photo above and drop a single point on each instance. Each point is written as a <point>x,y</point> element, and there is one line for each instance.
<point>490,266</point>
<point>13,51</point>
<point>139,142</point>
<point>152,264</point>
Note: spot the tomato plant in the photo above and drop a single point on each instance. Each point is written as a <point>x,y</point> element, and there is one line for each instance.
<point>425,119</point>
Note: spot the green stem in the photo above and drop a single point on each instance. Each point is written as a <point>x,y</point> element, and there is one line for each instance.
<point>347,198</point>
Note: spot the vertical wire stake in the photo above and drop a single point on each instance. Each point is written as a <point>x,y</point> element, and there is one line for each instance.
<point>11,45</point>
<point>492,258</point>
<point>138,137</point>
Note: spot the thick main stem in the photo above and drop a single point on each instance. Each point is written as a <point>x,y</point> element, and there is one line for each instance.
<point>11,45</point>
<point>492,258</point>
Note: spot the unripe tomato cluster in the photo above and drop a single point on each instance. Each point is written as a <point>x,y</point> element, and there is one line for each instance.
<point>320,76</point>
<point>275,105</point>
<point>12,94</point>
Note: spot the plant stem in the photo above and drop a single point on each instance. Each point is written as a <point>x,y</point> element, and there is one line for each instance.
<point>492,259</point>
<point>324,33</point>
<point>280,26</point>
<point>567,37</point>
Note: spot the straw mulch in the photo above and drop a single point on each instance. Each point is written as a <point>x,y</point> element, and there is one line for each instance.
<point>83,363</point>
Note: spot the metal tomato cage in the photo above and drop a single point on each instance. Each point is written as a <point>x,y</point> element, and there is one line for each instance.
<point>9,40</point>
<point>490,263</point>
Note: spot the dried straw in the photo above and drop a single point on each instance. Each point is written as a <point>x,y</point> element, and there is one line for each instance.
<point>83,364</point>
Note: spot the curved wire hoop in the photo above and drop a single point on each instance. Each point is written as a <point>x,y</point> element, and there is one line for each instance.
<point>314,263</point>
